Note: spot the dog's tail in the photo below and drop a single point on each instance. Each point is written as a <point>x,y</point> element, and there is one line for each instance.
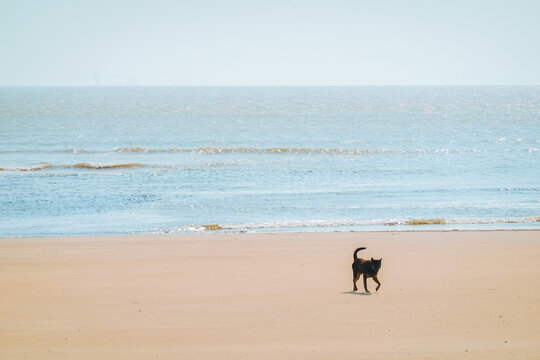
<point>356,252</point>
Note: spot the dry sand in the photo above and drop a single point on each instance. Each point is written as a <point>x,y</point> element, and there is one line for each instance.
<point>444,295</point>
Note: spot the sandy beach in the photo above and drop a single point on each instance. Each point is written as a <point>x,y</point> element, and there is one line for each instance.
<point>444,295</point>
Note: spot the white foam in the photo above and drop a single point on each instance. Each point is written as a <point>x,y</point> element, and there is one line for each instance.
<point>314,224</point>
<point>27,168</point>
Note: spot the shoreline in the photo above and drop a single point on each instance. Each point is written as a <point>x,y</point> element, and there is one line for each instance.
<point>304,231</point>
<point>444,295</point>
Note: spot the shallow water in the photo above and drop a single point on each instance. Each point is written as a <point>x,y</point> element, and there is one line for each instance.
<point>100,160</point>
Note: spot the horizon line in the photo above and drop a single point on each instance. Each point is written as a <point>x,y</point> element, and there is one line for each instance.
<point>281,85</point>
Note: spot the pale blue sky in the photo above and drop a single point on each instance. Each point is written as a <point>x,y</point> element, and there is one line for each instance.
<point>230,42</point>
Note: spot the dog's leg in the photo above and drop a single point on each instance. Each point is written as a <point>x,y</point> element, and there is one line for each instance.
<point>378,283</point>
<point>365,283</point>
<point>356,276</point>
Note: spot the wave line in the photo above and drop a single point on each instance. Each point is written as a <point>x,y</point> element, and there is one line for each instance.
<point>328,223</point>
<point>106,166</point>
<point>27,168</point>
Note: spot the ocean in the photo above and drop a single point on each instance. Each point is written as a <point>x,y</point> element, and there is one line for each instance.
<point>151,160</point>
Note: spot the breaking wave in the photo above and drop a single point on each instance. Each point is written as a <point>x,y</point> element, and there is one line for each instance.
<point>83,165</point>
<point>106,166</point>
<point>27,168</point>
<point>275,150</point>
<point>76,151</point>
<point>252,150</point>
<point>296,224</point>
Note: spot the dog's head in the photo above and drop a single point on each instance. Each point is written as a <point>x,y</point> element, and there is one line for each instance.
<point>376,264</point>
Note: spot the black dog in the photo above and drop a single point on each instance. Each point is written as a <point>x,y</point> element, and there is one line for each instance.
<point>369,268</point>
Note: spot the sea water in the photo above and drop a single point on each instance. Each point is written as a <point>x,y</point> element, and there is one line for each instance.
<point>130,160</point>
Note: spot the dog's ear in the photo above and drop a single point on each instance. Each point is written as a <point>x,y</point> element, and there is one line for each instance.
<point>372,259</point>
<point>381,259</point>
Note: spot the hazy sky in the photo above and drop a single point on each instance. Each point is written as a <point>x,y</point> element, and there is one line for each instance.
<point>274,42</point>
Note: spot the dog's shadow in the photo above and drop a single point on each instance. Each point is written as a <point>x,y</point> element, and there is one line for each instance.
<point>357,293</point>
